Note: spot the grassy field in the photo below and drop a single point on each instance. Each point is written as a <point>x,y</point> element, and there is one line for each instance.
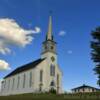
<point>95,96</point>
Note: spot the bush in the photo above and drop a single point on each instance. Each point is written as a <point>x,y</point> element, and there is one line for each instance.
<point>53,91</point>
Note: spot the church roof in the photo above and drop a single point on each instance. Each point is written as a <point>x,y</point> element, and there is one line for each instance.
<point>24,68</point>
<point>84,86</point>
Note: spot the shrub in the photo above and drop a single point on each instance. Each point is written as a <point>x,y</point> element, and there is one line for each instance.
<point>53,91</point>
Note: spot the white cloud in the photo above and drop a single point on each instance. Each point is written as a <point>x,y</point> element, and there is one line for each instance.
<point>62,33</point>
<point>13,34</point>
<point>69,51</point>
<point>3,48</point>
<point>4,65</point>
<point>37,30</point>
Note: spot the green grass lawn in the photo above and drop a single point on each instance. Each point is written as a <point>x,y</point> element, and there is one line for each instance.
<point>52,97</point>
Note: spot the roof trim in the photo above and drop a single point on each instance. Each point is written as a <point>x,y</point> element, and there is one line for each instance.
<point>25,67</point>
<point>84,86</point>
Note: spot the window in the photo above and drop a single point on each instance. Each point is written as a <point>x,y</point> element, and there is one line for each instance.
<point>53,59</point>
<point>13,83</point>
<point>45,47</point>
<point>24,78</point>
<point>57,79</point>
<point>2,88</point>
<point>8,84</point>
<point>51,47</point>
<point>83,89</point>
<point>18,82</point>
<point>5,84</point>
<point>93,90</point>
<point>30,81</point>
<point>52,70</point>
<point>75,90</point>
<point>52,83</point>
<point>41,75</point>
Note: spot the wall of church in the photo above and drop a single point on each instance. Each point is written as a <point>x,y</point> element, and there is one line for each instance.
<point>48,55</point>
<point>43,84</point>
<point>23,83</point>
<point>30,81</point>
<point>20,83</point>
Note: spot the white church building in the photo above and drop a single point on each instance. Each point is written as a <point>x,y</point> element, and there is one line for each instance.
<point>39,76</point>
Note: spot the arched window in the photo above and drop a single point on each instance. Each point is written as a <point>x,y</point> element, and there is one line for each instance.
<point>41,80</point>
<point>18,81</point>
<point>5,84</point>
<point>52,83</point>
<point>52,47</point>
<point>52,70</point>
<point>24,78</point>
<point>13,83</point>
<point>8,84</point>
<point>41,75</point>
<point>30,81</point>
<point>57,79</point>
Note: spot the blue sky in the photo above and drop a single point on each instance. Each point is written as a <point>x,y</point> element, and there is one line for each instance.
<point>75,18</point>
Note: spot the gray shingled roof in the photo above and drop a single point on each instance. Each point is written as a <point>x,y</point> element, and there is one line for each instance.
<point>24,68</point>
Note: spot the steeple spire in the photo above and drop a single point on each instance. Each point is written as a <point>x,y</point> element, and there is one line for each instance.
<point>49,33</point>
<point>49,45</point>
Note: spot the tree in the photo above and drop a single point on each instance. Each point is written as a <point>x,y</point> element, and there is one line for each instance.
<point>95,53</point>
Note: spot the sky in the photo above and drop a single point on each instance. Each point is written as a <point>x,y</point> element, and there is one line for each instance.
<point>23,27</point>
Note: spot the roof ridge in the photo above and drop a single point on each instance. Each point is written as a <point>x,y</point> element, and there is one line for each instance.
<point>24,67</point>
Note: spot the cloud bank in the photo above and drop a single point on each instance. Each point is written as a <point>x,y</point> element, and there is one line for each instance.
<point>11,33</point>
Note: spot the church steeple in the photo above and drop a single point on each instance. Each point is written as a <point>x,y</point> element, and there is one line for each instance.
<point>49,33</point>
<point>49,45</point>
